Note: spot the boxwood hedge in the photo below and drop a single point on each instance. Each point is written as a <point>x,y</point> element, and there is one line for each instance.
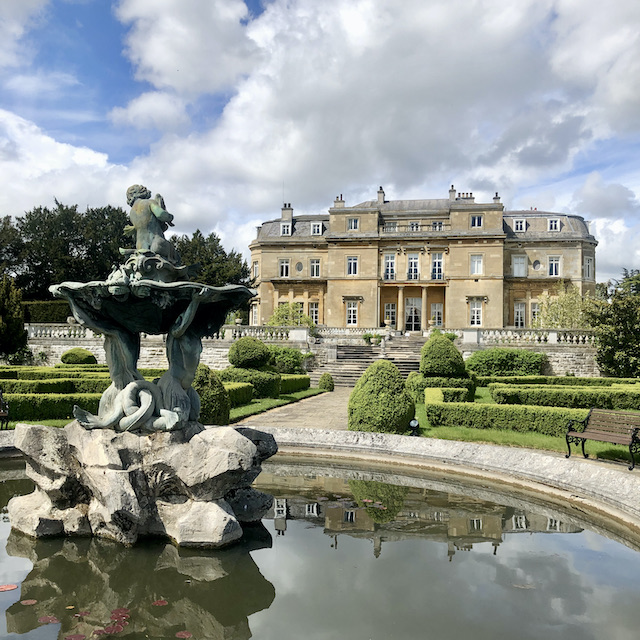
<point>614,397</point>
<point>550,421</point>
<point>266,383</point>
<point>239,393</point>
<point>49,406</point>
<point>571,381</point>
<point>499,361</point>
<point>417,383</point>
<point>290,383</point>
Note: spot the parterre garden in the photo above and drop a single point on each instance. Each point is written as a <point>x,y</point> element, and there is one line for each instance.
<point>499,395</point>
<point>260,377</point>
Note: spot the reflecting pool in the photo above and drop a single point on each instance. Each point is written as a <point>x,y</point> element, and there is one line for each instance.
<point>344,553</point>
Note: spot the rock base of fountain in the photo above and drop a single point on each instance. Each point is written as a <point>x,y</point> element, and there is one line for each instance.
<point>191,486</point>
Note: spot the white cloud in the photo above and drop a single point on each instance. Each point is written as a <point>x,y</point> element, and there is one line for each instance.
<point>192,46</point>
<point>600,200</point>
<point>153,110</point>
<point>16,16</point>
<point>40,84</point>
<point>36,169</point>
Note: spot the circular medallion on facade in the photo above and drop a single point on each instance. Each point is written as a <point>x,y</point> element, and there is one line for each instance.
<point>536,264</point>
<point>299,267</point>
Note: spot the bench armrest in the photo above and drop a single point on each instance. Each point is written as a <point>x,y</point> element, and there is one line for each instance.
<point>573,424</point>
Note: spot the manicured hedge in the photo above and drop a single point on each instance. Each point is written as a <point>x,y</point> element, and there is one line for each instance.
<point>290,383</point>
<point>46,311</point>
<point>550,421</point>
<point>266,383</point>
<point>78,355</point>
<point>239,393</point>
<point>34,406</point>
<point>81,367</point>
<point>56,385</point>
<point>417,383</point>
<point>619,397</point>
<point>454,394</point>
<point>571,381</point>
<point>499,361</point>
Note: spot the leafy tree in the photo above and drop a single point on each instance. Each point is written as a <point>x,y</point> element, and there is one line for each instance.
<point>10,247</point>
<point>63,243</point>
<point>565,308</point>
<point>217,267</point>
<point>617,326</point>
<point>289,314</point>
<point>13,336</point>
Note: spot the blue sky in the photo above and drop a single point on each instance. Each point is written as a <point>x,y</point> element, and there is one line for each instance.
<point>226,106</point>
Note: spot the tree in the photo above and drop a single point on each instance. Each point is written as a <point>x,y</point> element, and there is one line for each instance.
<point>565,308</point>
<point>617,326</point>
<point>63,243</point>
<point>13,335</point>
<point>10,247</point>
<point>217,267</point>
<point>289,314</point>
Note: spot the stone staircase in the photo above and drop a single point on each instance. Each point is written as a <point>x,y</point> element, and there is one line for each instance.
<point>352,360</point>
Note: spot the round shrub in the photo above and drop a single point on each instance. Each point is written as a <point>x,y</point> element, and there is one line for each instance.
<point>78,356</point>
<point>286,359</point>
<point>439,357</point>
<point>249,353</point>
<point>379,401</point>
<point>214,399</point>
<point>499,361</point>
<point>266,383</point>
<point>326,382</point>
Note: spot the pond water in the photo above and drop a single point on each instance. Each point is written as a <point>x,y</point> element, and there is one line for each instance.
<point>344,553</point>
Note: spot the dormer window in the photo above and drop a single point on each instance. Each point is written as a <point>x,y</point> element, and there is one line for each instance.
<point>285,228</point>
<point>316,229</point>
<point>353,224</point>
<point>476,222</point>
<point>554,224</point>
<point>519,225</point>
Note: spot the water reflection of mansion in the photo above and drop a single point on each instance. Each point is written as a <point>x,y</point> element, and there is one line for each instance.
<point>459,522</point>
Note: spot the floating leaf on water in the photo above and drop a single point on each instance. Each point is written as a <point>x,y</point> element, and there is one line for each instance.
<point>99,632</point>
<point>119,616</point>
<point>183,634</point>
<point>75,636</point>
<point>122,610</point>
<point>160,603</point>
<point>48,620</point>
<point>8,587</point>
<point>81,614</point>
<point>28,602</point>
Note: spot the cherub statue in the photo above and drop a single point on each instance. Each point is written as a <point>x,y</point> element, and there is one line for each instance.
<point>149,221</point>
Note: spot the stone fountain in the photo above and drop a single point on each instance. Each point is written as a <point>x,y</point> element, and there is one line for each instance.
<point>144,465</point>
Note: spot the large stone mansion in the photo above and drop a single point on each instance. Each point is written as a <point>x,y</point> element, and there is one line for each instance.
<point>406,264</point>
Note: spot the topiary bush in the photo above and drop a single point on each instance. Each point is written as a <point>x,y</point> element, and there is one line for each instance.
<point>499,361</point>
<point>440,357</point>
<point>249,353</point>
<point>326,382</point>
<point>78,355</point>
<point>214,399</point>
<point>380,401</point>
<point>417,383</point>
<point>266,383</point>
<point>239,393</point>
<point>291,382</point>
<point>286,359</point>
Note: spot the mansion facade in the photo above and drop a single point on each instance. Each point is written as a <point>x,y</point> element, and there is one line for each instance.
<point>409,264</point>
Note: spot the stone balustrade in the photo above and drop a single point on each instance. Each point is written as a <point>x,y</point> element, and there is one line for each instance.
<point>528,337</point>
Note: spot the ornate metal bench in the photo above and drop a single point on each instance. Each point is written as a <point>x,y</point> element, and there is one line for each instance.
<point>616,427</point>
<point>4,412</point>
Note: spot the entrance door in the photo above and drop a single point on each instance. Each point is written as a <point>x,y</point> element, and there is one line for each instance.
<point>412,308</point>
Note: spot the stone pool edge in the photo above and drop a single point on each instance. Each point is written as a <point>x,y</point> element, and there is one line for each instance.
<point>609,489</point>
